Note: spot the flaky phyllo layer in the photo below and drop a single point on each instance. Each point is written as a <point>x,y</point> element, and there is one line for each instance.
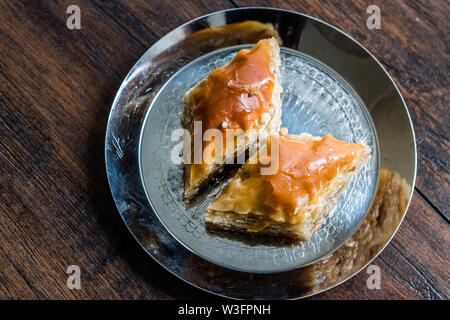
<point>242,96</point>
<point>296,194</point>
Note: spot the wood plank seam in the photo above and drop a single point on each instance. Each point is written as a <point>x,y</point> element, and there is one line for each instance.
<point>233,3</point>
<point>422,276</point>
<point>435,209</point>
<point>399,276</point>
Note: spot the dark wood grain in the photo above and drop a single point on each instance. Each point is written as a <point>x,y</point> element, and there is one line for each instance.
<point>56,88</point>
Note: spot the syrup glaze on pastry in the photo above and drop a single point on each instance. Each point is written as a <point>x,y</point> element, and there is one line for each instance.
<point>305,167</point>
<point>236,95</point>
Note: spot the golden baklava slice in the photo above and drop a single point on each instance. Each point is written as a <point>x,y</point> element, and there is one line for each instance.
<point>289,187</point>
<point>242,97</point>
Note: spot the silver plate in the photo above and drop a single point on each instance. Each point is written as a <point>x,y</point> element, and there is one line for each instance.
<point>315,100</point>
<point>331,85</point>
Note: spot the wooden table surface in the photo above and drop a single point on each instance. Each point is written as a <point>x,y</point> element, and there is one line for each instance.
<point>56,89</point>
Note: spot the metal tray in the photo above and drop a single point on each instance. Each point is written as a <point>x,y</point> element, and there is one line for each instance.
<point>331,85</point>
